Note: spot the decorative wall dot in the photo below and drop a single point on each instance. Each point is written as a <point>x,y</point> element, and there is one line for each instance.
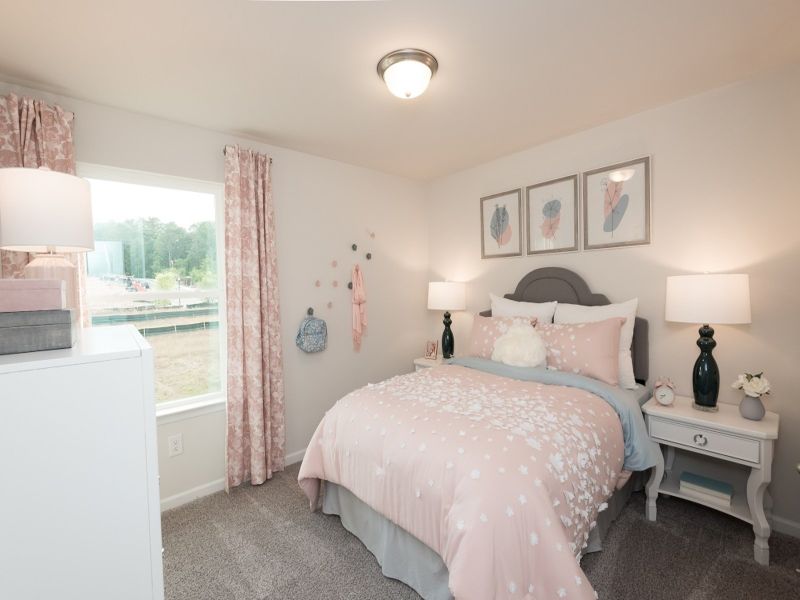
<point>334,263</point>
<point>350,285</point>
<point>330,304</point>
<point>310,311</point>
<point>354,247</point>
<point>335,283</point>
<point>372,235</point>
<point>369,255</point>
<point>317,283</point>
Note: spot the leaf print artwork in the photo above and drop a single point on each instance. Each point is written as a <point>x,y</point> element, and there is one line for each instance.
<point>500,226</point>
<point>552,218</point>
<point>614,205</point>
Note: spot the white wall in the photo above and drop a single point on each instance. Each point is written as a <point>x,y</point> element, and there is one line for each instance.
<point>322,207</point>
<point>725,199</point>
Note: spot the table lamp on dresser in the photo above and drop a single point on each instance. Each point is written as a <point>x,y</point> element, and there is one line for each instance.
<point>447,296</point>
<point>49,214</point>
<point>723,299</point>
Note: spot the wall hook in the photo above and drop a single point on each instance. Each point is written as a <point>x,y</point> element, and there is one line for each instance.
<point>354,247</point>
<point>369,255</point>
<point>310,311</point>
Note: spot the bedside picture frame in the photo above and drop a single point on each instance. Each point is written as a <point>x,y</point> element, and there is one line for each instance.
<point>616,205</point>
<point>501,224</point>
<point>432,349</point>
<point>551,216</point>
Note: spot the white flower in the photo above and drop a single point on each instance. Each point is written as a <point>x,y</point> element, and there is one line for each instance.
<point>756,387</point>
<point>740,381</point>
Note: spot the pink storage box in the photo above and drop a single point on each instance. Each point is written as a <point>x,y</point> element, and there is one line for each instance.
<point>31,294</point>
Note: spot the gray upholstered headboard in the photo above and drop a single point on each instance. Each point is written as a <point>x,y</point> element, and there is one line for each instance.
<point>554,283</point>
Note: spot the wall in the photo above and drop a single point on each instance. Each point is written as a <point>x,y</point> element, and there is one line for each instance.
<point>725,199</point>
<point>321,207</point>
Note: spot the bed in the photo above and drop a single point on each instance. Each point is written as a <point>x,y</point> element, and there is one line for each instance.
<point>478,480</point>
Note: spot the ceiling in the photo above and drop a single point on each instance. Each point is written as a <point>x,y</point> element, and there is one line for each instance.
<point>512,73</point>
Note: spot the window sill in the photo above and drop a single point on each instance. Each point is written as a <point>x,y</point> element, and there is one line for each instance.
<point>171,413</point>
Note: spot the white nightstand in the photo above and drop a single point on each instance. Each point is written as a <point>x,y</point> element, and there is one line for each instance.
<point>426,363</point>
<point>743,450</point>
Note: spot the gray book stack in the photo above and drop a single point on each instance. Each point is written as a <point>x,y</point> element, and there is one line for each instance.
<point>33,317</point>
<point>30,331</point>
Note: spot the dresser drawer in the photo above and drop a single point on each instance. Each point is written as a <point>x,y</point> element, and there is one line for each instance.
<point>705,440</point>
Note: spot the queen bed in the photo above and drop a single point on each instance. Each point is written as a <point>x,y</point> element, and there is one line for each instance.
<point>481,480</point>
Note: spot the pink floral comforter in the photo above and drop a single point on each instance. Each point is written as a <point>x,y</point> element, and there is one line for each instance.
<point>502,478</point>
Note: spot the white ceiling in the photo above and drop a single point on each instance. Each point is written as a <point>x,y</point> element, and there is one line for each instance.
<point>512,73</point>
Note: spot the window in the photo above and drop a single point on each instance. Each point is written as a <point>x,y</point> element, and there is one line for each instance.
<point>157,266</point>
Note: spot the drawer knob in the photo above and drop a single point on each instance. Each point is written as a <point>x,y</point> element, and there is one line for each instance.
<point>700,439</point>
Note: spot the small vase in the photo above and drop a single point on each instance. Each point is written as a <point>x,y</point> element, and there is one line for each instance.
<point>752,408</point>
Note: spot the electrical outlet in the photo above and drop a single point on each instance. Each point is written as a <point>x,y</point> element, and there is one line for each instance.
<point>175,444</point>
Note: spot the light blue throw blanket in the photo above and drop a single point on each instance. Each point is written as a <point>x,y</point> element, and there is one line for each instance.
<point>640,451</point>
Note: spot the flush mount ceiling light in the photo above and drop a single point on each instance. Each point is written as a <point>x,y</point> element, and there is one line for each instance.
<point>407,72</point>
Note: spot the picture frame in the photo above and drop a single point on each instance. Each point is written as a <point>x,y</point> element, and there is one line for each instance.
<point>619,217</point>
<point>551,216</point>
<point>432,349</point>
<point>501,224</point>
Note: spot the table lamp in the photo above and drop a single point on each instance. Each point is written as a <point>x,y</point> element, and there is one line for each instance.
<point>722,299</point>
<point>46,213</point>
<point>447,296</point>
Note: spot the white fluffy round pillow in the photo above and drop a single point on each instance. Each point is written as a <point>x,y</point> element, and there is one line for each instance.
<point>520,346</point>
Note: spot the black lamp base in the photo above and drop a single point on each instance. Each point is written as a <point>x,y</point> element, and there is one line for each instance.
<point>448,341</point>
<point>705,374</point>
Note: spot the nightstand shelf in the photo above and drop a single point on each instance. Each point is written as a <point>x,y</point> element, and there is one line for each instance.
<point>736,476</point>
<point>723,446</point>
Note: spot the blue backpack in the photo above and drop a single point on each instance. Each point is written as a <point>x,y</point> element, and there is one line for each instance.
<point>312,335</point>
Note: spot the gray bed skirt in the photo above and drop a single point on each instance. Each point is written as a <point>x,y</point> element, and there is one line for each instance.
<point>402,556</point>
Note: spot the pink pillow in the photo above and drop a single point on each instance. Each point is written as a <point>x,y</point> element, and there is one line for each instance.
<point>486,330</point>
<point>590,349</point>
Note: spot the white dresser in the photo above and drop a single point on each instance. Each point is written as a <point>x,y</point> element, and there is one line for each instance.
<point>79,502</point>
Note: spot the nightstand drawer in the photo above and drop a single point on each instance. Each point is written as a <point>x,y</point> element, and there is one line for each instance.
<point>705,440</point>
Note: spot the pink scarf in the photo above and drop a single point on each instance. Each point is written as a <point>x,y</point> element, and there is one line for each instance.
<point>359,308</point>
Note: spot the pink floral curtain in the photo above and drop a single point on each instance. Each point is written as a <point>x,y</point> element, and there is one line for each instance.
<point>34,134</point>
<point>255,445</point>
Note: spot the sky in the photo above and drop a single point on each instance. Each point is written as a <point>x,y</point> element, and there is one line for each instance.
<point>115,201</point>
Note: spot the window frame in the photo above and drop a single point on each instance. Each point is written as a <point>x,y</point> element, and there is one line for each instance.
<point>203,403</point>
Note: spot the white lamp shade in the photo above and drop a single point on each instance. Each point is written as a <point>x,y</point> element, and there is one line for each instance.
<point>43,210</point>
<point>713,299</point>
<point>447,295</point>
<point>407,78</point>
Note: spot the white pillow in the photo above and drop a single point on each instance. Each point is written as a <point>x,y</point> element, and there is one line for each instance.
<point>520,346</point>
<point>503,307</point>
<point>575,313</point>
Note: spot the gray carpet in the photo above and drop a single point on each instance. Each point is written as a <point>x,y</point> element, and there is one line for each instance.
<point>263,543</point>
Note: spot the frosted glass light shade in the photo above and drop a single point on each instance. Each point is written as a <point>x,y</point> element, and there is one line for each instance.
<point>407,72</point>
<point>407,78</point>
<point>713,299</point>
<point>446,295</point>
<point>44,211</point>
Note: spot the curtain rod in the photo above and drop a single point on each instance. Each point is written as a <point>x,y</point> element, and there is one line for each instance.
<point>223,154</point>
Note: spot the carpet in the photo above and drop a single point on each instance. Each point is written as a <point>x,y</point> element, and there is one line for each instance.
<point>262,543</point>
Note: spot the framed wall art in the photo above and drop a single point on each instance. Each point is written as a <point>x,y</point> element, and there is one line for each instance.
<point>501,224</point>
<point>432,349</point>
<point>551,210</point>
<point>616,205</point>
